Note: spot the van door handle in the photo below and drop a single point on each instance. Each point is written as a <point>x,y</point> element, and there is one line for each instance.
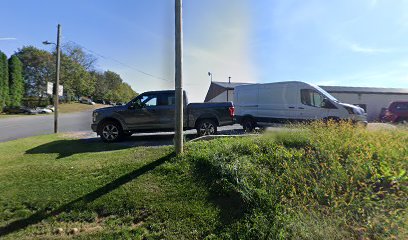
<point>291,107</point>
<point>301,107</point>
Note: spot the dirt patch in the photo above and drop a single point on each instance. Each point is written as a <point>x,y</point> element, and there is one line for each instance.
<point>79,135</point>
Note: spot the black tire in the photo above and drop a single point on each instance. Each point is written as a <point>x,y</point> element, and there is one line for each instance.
<point>332,119</point>
<point>206,127</point>
<point>248,124</point>
<point>402,121</point>
<point>111,131</point>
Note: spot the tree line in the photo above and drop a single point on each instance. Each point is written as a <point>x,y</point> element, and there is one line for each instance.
<point>11,81</point>
<point>26,73</point>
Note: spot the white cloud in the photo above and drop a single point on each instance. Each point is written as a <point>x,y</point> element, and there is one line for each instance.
<point>358,48</point>
<point>7,38</point>
<point>373,3</point>
<point>368,50</point>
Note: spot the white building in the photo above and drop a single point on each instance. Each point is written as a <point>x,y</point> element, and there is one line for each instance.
<point>373,100</point>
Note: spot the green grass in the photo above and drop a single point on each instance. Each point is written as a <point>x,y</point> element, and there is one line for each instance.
<point>318,182</point>
<point>78,107</point>
<point>105,190</point>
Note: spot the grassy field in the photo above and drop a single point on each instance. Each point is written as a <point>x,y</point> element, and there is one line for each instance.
<point>318,182</point>
<point>63,108</point>
<point>78,107</point>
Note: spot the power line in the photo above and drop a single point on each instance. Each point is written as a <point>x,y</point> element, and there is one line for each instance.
<point>119,62</point>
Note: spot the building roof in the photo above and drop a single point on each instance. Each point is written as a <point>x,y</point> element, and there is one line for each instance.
<point>216,88</point>
<point>228,85</point>
<point>365,90</point>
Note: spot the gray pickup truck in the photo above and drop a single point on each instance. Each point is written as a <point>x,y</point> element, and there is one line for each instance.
<point>155,111</point>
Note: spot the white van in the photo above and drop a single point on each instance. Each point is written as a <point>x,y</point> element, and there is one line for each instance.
<point>294,101</point>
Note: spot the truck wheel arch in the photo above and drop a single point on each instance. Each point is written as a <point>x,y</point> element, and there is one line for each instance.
<point>249,123</point>
<point>98,131</point>
<point>206,126</point>
<point>207,116</point>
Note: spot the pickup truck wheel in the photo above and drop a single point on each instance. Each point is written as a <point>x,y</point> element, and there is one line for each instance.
<point>111,132</point>
<point>206,127</point>
<point>248,124</point>
<point>402,121</point>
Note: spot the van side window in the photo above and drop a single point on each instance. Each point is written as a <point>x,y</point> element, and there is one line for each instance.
<point>311,98</point>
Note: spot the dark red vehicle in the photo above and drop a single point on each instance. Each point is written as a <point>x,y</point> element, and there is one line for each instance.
<point>397,112</point>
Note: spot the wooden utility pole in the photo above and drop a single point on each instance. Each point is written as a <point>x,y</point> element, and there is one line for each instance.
<point>178,136</point>
<point>56,95</point>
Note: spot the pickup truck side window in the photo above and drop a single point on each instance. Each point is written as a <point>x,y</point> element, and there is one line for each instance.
<point>167,100</point>
<point>401,106</point>
<point>149,100</point>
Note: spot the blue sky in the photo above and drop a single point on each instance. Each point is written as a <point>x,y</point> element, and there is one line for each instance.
<point>338,42</point>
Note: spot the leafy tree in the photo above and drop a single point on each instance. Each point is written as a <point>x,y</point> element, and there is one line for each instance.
<point>76,80</point>
<point>16,81</point>
<point>38,69</point>
<point>4,96</point>
<point>110,86</point>
<point>77,75</point>
<point>101,87</point>
<point>126,92</point>
<point>78,55</point>
<point>1,83</point>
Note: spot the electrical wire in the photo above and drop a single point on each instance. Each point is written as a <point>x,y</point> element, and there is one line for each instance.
<point>119,62</point>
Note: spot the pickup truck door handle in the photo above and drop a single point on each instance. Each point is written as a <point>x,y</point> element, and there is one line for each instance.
<point>291,107</point>
<point>301,108</point>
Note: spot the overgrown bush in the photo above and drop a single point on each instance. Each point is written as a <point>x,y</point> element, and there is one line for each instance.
<point>317,181</point>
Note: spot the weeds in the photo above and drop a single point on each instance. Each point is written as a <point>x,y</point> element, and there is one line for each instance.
<point>323,180</point>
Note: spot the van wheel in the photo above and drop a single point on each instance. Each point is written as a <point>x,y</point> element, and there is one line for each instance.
<point>206,127</point>
<point>248,124</point>
<point>331,119</point>
<point>111,131</point>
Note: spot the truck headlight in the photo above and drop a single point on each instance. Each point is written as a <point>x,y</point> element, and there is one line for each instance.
<point>94,115</point>
<point>349,109</point>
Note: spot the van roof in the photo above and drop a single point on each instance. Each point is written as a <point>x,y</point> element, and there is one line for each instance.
<point>273,83</point>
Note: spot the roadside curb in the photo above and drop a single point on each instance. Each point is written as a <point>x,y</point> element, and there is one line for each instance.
<point>212,137</point>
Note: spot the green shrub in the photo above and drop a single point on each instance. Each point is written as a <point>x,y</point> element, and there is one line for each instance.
<point>322,180</point>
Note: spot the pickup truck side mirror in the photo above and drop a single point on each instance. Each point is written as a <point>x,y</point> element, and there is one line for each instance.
<point>136,105</point>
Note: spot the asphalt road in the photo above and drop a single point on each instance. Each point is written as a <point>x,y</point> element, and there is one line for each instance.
<point>80,124</point>
<point>26,126</point>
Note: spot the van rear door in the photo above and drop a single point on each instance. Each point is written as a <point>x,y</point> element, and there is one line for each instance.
<point>246,100</point>
<point>275,103</point>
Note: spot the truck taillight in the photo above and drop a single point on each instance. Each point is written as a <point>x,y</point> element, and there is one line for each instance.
<point>231,111</point>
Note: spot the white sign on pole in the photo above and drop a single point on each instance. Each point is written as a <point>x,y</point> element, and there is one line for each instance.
<point>60,90</point>
<point>50,86</point>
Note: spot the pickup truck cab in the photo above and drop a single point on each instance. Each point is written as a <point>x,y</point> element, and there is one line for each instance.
<point>155,112</point>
